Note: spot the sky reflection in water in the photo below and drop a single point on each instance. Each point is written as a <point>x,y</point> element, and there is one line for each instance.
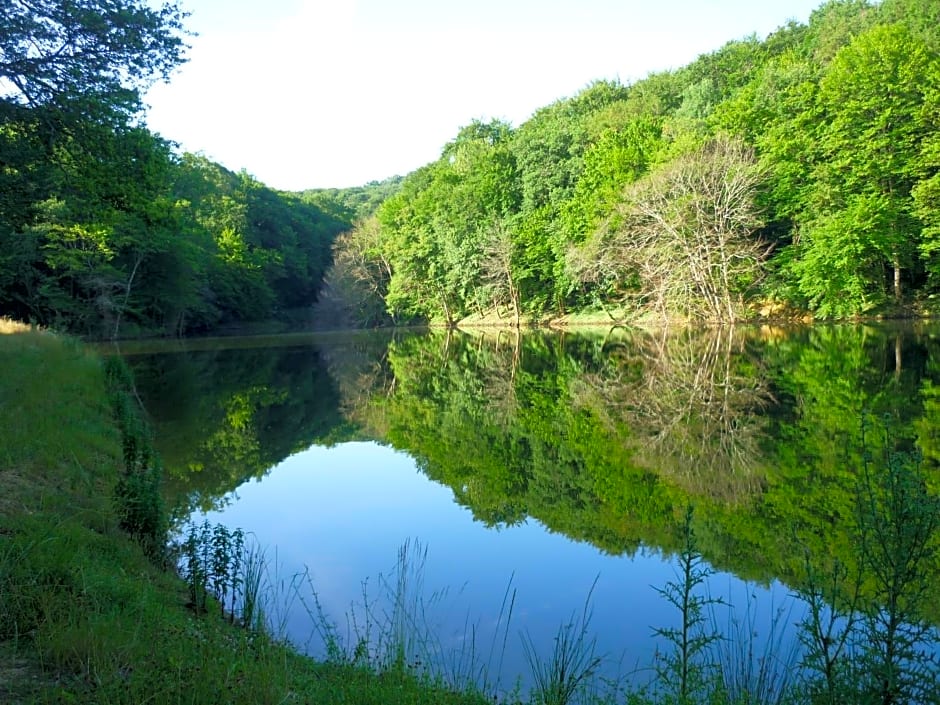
<point>344,512</point>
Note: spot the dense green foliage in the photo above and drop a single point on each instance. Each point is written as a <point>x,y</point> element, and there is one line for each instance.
<point>104,229</point>
<point>356,202</point>
<point>99,54</point>
<point>800,169</point>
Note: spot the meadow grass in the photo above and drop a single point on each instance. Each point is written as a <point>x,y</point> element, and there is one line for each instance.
<point>86,615</point>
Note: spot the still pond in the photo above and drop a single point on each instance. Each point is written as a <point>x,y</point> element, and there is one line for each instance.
<point>530,478</point>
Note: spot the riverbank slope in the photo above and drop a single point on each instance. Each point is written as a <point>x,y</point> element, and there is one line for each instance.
<point>85,616</point>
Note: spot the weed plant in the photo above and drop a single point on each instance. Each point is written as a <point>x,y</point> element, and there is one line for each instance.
<point>898,520</point>
<point>756,661</point>
<point>138,490</point>
<point>684,671</point>
<point>568,672</point>
<point>867,641</point>
<point>827,632</point>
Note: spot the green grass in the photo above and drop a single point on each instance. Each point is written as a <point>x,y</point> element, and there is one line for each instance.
<point>85,615</point>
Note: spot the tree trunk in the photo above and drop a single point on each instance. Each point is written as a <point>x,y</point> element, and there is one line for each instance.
<point>897,277</point>
<point>898,360</point>
<point>127,295</point>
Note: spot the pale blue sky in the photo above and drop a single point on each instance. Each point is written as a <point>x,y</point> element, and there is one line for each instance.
<point>310,93</point>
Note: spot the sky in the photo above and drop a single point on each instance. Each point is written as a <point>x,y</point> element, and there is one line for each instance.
<point>318,93</point>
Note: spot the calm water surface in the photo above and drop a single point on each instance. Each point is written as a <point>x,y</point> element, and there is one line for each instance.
<point>553,468</point>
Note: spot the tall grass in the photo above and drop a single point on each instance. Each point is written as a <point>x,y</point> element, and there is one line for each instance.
<point>392,630</point>
<point>9,326</point>
<point>569,670</point>
<point>722,651</point>
<point>756,660</point>
<point>58,445</point>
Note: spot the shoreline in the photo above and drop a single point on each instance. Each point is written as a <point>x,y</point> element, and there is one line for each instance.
<point>86,617</point>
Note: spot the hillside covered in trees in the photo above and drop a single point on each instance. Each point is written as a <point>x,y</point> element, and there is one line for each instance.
<point>105,230</point>
<point>799,171</point>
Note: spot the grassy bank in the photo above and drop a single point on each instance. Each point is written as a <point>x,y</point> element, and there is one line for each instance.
<point>85,615</point>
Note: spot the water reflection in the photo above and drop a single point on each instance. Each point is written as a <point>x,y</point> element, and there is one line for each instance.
<point>694,403</point>
<point>583,451</point>
<point>344,513</point>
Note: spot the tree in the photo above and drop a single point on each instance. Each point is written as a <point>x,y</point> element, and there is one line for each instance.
<point>833,25</point>
<point>103,212</point>
<point>85,205</point>
<point>860,228</point>
<point>921,17</point>
<point>57,52</point>
<point>356,285</point>
<point>549,148</point>
<point>683,242</point>
<point>619,157</point>
<point>498,273</point>
<point>436,227</point>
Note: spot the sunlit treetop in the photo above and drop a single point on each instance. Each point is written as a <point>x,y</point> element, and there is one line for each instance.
<point>57,52</point>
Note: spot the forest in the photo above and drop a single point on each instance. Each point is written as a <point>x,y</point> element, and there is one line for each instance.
<point>788,176</point>
<point>793,175</point>
<point>106,230</point>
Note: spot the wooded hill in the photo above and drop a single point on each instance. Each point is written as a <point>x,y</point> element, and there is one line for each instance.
<point>799,171</point>
<point>105,230</point>
<point>796,172</point>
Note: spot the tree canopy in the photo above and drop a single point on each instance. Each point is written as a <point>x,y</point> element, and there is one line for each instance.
<point>818,142</point>
<point>838,118</point>
<point>105,229</point>
<point>56,52</point>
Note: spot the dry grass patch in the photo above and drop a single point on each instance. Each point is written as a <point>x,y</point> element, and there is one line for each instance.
<point>9,326</point>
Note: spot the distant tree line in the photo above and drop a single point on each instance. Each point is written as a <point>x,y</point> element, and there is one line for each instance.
<point>800,171</point>
<point>104,229</point>
<point>355,202</point>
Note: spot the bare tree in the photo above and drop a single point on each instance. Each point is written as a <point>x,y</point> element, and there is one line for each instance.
<point>356,285</point>
<point>682,241</point>
<point>499,285</point>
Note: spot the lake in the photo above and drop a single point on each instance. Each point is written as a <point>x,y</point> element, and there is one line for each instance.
<point>535,480</point>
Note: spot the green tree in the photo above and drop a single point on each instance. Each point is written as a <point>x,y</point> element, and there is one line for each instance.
<point>619,157</point>
<point>88,52</point>
<point>863,234</point>
<point>436,229</point>
<point>550,146</point>
<point>260,253</point>
<point>105,214</point>
<point>834,24</point>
